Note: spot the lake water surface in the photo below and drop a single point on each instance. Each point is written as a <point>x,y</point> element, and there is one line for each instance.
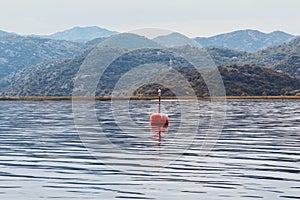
<point>46,154</point>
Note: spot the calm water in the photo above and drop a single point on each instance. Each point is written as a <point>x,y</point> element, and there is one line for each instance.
<point>44,156</point>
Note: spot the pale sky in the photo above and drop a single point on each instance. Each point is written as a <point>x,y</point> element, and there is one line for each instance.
<point>190,17</point>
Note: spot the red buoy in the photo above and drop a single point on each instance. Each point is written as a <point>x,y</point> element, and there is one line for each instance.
<point>159,119</point>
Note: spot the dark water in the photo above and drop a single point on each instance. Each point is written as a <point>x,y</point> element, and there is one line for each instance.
<point>43,155</point>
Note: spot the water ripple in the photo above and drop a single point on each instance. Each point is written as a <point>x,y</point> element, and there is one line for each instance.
<point>257,156</point>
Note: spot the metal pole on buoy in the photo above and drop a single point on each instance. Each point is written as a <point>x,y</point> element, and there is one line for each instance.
<point>159,119</point>
<point>159,96</point>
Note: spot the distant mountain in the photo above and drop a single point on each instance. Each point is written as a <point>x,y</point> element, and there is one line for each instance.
<point>94,42</point>
<point>129,41</point>
<point>4,33</point>
<point>273,55</point>
<point>245,40</point>
<point>175,39</point>
<point>17,52</point>
<point>81,34</point>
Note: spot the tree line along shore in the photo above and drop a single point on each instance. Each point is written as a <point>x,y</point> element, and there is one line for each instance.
<point>70,98</point>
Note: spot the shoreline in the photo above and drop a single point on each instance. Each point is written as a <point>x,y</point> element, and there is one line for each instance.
<point>70,98</point>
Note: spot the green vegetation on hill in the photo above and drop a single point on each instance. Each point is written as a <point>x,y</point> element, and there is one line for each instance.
<point>238,81</point>
<point>256,81</point>
<point>56,78</point>
<point>51,78</point>
<point>272,55</point>
<point>18,52</point>
<point>282,57</point>
<point>290,65</point>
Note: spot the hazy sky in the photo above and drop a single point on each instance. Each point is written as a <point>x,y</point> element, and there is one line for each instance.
<point>190,17</point>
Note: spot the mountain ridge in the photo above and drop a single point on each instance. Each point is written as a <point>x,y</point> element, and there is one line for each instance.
<point>245,40</point>
<point>81,34</point>
<point>4,33</point>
